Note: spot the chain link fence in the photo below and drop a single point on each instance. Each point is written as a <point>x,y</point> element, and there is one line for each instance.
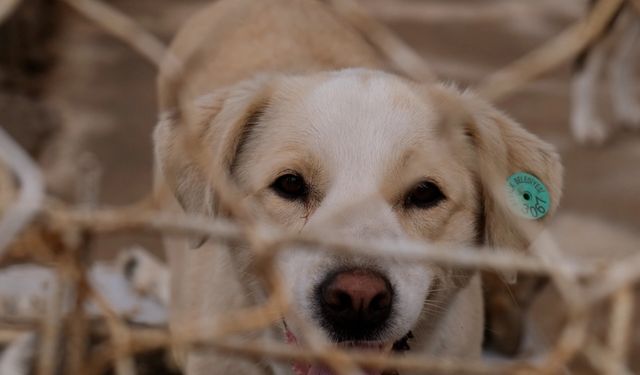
<point>37,228</point>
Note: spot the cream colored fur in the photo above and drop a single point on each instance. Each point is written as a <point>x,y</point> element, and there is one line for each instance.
<point>254,89</point>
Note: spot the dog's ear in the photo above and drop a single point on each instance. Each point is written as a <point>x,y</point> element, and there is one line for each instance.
<point>501,148</point>
<point>202,139</point>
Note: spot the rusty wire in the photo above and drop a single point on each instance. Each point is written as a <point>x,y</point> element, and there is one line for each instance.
<point>71,225</point>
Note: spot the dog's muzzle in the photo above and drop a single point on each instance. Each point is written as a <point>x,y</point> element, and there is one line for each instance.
<point>354,307</point>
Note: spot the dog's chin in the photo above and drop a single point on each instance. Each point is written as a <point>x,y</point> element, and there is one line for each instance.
<point>375,346</point>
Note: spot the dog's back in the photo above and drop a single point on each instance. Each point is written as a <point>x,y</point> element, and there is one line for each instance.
<point>233,40</point>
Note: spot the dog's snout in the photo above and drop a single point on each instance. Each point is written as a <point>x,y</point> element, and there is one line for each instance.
<point>355,304</point>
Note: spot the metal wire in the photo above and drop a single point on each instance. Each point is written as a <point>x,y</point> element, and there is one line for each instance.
<point>612,282</point>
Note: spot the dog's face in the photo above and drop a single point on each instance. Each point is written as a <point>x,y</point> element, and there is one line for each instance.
<point>362,156</point>
<point>365,155</point>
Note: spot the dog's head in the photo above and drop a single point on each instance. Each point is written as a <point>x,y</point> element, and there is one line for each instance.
<point>366,155</point>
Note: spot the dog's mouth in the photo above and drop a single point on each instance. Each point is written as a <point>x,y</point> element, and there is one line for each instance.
<point>398,346</point>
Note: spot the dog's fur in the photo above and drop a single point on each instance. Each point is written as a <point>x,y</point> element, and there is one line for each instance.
<point>255,89</point>
<point>614,53</point>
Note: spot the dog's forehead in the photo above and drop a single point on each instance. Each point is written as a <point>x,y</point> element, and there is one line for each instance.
<point>362,118</point>
<point>367,102</point>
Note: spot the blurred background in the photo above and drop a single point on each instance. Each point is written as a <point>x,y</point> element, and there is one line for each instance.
<point>83,103</point>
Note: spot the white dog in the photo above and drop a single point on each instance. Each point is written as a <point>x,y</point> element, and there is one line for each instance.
<point>614,52</point>
<point>135,285</point>
<point>321,133</point>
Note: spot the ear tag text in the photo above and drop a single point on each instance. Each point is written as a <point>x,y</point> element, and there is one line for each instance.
<point>528,196</point>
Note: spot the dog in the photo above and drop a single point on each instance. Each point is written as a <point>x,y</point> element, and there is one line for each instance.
<point>614,52</point>
<point>135,285</point>
<point>319,132</point>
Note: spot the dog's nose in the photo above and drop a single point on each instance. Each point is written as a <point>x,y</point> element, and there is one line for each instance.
<point>355,304</point>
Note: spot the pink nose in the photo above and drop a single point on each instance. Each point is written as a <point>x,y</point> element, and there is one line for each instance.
<point>361,287</point>
<point>358,301</point>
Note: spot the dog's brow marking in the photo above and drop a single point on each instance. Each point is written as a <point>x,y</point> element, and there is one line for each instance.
<point>406,158</point>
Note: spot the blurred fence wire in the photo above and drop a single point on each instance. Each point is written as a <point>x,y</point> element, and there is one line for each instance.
<point>62,233</point>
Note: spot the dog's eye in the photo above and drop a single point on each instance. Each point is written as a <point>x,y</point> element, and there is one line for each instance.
<point>291,186</point>
<point>424,195</point>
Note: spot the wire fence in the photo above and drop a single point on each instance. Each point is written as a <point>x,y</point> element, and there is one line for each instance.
<point>36,227</point>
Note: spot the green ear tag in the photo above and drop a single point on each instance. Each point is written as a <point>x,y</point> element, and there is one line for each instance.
<point>528,196</point>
